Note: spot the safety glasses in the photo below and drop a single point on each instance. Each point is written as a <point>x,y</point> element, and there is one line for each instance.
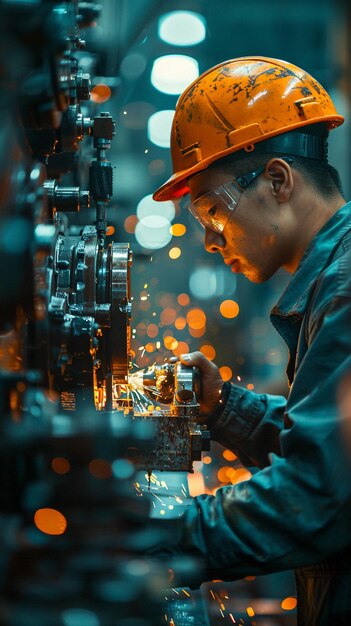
<point>214,209</point>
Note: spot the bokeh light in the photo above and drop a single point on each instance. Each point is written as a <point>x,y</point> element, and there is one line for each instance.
<point>202,283</point>
<point>152,331</point>
<point>228,455</point>
<point>60,465</point>
<point>159,128</point>
<point>289,604</point>
<point>209,351</point>
<point>148,206</point>
<point>170,342</point>
<point>183,299</point>
<point>196,318</point>
<point>99,468</point>
<point>50,521</point>
<point>182,28</point>
<point>229,308</point>
<point>152,232</point>
<point>180,323</point>
<point>100,93</point>
<point>178,230</point>
<point>172,73</point>
<point>225,372</point>
<point>130,224</point>
<point>208,282</point>
<point>182,348</point>
<point>174,253</point>
<point>168,315</point>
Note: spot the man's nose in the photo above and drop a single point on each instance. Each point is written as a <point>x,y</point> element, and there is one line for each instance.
<point>213,241</point>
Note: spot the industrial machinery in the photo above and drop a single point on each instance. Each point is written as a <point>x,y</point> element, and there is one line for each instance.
<point>73,436</point>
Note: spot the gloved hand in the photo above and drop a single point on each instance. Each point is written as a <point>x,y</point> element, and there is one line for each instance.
<point>211,380</point>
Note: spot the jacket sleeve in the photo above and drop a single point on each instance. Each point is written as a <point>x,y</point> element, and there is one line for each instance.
<point>297,510</point>
<point>250,425</point>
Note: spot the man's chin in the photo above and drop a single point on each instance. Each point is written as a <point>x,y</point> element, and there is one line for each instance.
<point>255,276</point>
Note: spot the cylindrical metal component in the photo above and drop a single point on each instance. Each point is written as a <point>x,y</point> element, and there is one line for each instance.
<point>66,198</point>
<point>83,85</point>
<point>100,180</point>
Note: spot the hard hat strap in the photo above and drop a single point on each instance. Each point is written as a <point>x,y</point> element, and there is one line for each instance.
<point>296,144</point>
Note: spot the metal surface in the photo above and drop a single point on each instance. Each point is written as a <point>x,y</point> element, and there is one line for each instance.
<point>179,439</point>
<point>121,260</point>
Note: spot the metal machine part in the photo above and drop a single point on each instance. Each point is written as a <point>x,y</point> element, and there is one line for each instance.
<point>179,440</point>
<point>174,384</point>
<point>89,312</point>
<point>65,198</point>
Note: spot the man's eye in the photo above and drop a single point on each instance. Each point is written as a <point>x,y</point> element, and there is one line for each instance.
<point>213,211</point>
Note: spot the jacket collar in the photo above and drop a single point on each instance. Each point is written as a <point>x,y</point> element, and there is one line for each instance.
<point>294,298</point>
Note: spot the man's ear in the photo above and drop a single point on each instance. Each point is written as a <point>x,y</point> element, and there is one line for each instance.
<point>280,176</point>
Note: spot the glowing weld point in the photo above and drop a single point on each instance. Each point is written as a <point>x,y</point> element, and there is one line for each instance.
<point>175,591</point>
<point>232,618</point>
<point>221,612</point>
<point>124,112</point>
<point>146,151</point>
<point>143,298</point>
<point>145,286</point>
<point>212,594</point>
<point>186,593</point>
<point>238,378</point>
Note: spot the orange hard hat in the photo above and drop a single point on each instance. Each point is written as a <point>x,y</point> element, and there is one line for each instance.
<point>237,104</point>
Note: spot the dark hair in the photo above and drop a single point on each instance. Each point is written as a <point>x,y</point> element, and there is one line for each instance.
<point>319,173</point>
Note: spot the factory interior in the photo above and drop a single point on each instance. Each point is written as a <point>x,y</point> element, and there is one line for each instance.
<point>102,289</point>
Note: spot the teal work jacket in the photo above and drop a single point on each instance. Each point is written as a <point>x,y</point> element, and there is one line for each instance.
<point>295,513</point>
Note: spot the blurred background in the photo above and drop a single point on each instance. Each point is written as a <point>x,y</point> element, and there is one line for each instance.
<point>147,53</point>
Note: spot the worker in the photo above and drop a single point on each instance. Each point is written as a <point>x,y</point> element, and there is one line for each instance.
<point>249,149</point>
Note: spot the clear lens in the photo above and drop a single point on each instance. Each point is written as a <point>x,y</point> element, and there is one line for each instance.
<point>214,209</point>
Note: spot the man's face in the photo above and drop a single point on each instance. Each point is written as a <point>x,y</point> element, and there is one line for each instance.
<point>256,240</point>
